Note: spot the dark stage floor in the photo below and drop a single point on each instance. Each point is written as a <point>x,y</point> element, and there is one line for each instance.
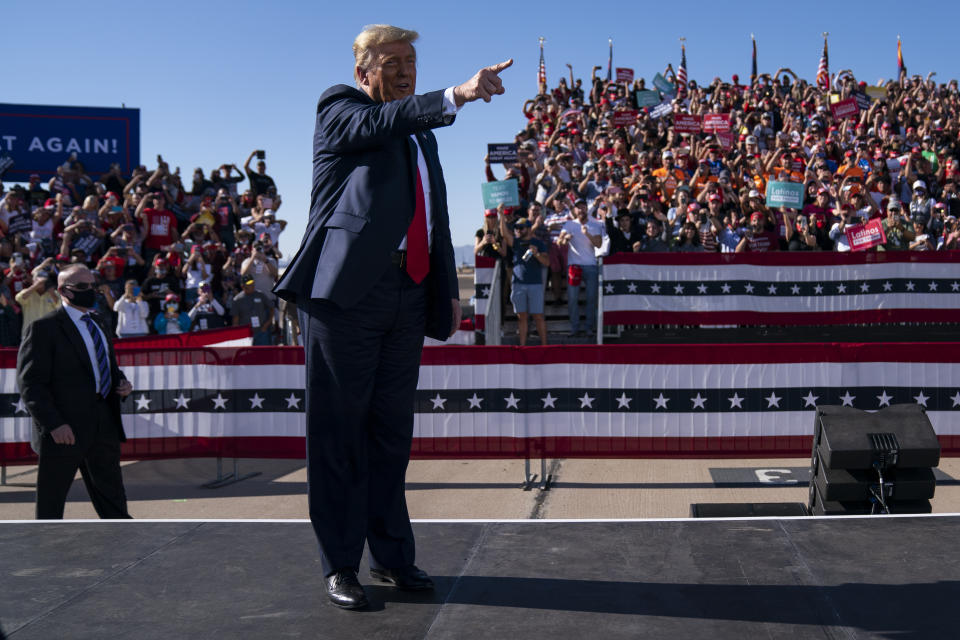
<point>785,578</point>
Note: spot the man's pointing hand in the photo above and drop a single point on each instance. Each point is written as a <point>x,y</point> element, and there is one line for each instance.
<point>484,84</point>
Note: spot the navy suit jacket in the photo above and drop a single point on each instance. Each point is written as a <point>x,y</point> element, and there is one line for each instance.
<point>363,199</point>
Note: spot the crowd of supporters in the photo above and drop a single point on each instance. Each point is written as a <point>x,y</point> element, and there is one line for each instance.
<point>654,188</point>
<point>168,257</point>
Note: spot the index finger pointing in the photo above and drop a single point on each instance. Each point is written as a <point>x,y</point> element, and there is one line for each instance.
<point>497,68</point>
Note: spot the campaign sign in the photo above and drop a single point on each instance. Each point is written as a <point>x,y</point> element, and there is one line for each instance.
<point>500,192</point>
<point>624,75</point>
<point>663,84</point>
<point>863,100</point>
<point>686,123</point>
<point>863,236</point>
<point>845,109</point>
<point>41,138</point>
<point>502,152</point>
<point>662,109</point>
<point>624,118</point>
<point>877,93</point>
<point>716,122</point>
<point>725,138</point>
<point>646,98</point>
<point>785,194</point>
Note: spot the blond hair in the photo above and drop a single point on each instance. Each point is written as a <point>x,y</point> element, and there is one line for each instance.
<point>373,35</point>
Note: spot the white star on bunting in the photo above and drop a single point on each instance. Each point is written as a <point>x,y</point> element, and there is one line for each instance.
<point>632,287</point>
<point>293,402</point>
<point>549,401</point>
<point>725,288</point>
<point>772,289</point>
<point>818,289</point>
<point>910,286</point>
<point>921,399</point>
<point>956,399</point>
<point>220,402</point>
<point>810,400</point>
<point>841,288</point>
<point>475,401</point>
<point>655,288</point>
<point>182,401</point>
<point>438,402</point>
<point>586,401</point>
<point>847,399</point>
<point>955,286</point>
<point>256,402</point>
<point>661,401</point>
<point>512,401</point>
<point>748,288</point>
<point>795,290</point>
<point>678,289</point>
<point>702,288</point>
<point>932,286</point>
<point>698,402</point>
<point>884,399</point>
<point>773,400</point>
<point>864,287</point>
<point>736,401</point>
<point>623,402</point>
<point>887,286</point>
<point>143,403</point>
<point>608,288</point>
<point>18,406</point>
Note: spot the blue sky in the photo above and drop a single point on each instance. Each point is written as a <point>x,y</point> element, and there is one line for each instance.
<point>215,80</point>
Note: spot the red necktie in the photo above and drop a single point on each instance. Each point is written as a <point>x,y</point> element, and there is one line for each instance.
<point>418,253</point>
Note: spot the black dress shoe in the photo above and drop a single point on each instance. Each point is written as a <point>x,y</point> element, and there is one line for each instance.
<point>344,590</point>
<point>407,578</point>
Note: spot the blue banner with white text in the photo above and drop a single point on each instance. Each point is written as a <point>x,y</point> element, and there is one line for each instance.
<point>39,138</point>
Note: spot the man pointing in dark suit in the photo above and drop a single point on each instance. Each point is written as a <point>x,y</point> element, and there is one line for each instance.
<point>72,386</point>
<point>374,274</point>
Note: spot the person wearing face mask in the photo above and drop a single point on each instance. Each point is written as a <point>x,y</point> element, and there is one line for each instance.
<point>171,319</point>
<point>72,387</point>
<point>156,287</point>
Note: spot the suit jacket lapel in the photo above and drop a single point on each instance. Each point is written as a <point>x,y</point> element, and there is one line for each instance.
<point>75,339</point>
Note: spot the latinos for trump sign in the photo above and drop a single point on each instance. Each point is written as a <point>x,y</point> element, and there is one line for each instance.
<point>845,109</point>
<point>785,194</point>
<point>664,85</point>
<point>863,236</point>
<point>41,138</point>
<point>647,98</point>
<point>501,192</point>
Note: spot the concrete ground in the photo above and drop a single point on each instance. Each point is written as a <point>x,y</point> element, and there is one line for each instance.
<point>450,489</point>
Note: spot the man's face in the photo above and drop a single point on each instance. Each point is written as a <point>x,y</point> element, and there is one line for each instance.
<point>392,74</point>
<point>79,279</point>
<point>581,212</point>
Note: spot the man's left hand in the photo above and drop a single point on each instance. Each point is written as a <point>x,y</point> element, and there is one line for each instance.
<point>124,389</point>
<point>457,316</point>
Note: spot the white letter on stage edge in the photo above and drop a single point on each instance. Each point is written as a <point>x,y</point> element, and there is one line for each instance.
<point>9,140</point>
<point>36,145</point>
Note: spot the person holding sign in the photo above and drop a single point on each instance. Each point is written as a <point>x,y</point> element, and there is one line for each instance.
<point>375,273</point>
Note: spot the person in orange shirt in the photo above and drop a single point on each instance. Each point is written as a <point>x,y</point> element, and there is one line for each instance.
<point>849,168</point>
<point>668,175</point>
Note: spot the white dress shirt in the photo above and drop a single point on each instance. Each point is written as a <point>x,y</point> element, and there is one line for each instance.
<point>76,315</point>
<point>449,108</point>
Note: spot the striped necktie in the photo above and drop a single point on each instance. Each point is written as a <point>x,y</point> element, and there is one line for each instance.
<point>103,364</point>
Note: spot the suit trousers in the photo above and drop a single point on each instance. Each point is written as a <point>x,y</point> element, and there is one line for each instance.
<point>99,465</point>
<point>362,366</point>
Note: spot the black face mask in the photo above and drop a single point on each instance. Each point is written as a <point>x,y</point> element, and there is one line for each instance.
<point>86,298</point>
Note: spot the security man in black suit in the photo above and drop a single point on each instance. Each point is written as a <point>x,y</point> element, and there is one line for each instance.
<point>374,274</point>
<point>72,387</point>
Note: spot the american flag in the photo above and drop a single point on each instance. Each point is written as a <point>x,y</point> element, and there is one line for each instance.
<point>823,71</point>
<point>753,65</point>
<point>682,73</point>
<point>542,71</point>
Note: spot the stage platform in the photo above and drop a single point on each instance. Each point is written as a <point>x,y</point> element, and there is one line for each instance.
<point>786,578</point>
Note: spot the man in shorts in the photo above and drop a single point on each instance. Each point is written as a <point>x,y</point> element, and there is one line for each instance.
<point>529,256</point>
